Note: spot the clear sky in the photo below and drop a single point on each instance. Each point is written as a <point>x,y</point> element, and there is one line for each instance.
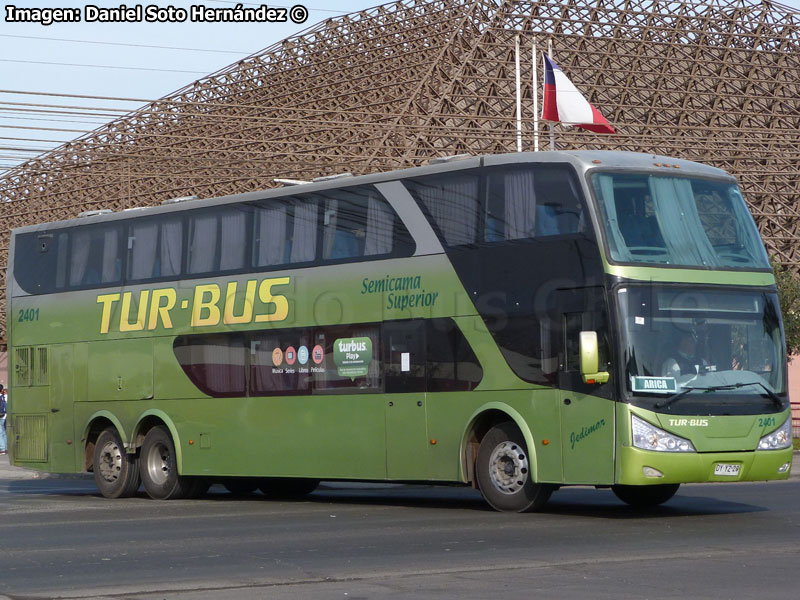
<point>138,60</point>
<point>141,60</point>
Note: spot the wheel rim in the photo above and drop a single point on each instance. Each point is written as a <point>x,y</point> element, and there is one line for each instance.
<point>508,467</point>
<point>158,464</point>
<point>110,461</point>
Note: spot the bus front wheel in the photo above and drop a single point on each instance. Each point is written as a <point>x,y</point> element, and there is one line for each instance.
<point>115,471</point>
<point>503,472</point>
<point>642,496</point>
<point>159,467</point>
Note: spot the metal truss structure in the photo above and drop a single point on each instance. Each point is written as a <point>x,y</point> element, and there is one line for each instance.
<point>715,81</point>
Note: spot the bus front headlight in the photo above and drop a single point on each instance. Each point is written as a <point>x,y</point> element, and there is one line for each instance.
<point>779,439</point>
<point>650,437</point>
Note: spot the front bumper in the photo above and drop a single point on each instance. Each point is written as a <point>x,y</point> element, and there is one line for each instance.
<point>697,467</point>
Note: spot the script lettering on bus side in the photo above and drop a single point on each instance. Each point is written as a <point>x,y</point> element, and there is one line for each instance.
<point>210,304</point>
<point>402,292</point>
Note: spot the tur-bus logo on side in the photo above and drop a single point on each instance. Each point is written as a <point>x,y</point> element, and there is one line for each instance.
<point>207,307</point>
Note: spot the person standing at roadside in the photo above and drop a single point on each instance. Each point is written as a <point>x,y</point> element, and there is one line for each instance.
<point>3,410</point>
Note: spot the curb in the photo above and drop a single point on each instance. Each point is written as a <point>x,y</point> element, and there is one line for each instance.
<point>10,472</point>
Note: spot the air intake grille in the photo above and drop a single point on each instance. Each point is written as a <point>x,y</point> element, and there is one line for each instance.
<point>30,438</point>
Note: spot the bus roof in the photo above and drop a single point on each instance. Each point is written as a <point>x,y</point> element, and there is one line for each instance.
<point>582,160</point>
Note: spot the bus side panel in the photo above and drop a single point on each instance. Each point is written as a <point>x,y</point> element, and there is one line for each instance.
<point>325,436</point>
<point>539,408</point>
<point>587,438</point>
<point>121,370</point>
<point>61,424</point>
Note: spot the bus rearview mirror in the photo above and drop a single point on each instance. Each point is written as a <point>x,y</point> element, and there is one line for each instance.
<point>590,358</point>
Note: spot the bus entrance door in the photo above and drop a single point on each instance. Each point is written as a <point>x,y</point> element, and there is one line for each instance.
<point>404,372</point>
<point>587,417</point>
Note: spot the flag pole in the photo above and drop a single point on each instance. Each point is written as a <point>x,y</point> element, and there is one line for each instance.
<point>552,125</point>
<point>535,98</point>
<point>519,97</point>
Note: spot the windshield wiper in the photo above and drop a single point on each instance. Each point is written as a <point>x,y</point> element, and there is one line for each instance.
<point>772,395</point>
<point>678,396</point>
<point>715,388</point>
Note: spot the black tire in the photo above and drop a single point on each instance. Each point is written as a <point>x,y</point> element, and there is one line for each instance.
<point>115,471</point>
<point>198,487</point>
<point>503,472</point>
<point>288,487</point>
<point>241,486</point>
<point>158,467</point>
<point>643,496</point>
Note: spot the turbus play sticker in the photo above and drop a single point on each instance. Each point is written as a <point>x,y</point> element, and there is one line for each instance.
<point>352,356</point>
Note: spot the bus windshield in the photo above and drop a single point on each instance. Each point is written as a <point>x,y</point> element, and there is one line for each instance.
<point>674,338</point>
<point>680,221</point>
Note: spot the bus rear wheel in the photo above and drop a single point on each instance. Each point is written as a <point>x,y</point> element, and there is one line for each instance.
<point>115,471</point>
<point>643,496</point>
<point>159,467</point>
<point>503,472</point>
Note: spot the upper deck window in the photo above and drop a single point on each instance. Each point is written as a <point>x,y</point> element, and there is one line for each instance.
<point>155,248</point>
<point>502,205</point>
<point>334,226</point>
<point>677,221</point>
<point>95,257</point>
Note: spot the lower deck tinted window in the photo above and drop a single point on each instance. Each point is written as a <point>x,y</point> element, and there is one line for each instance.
<point>215,363</point>
<point>316,360</point>
<point>451,363</point>
<point>393,357</point>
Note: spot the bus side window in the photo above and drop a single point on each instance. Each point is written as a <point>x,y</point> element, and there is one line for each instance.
<point>358,222</point>
<point>558,205</point>
<point>215,363</point>
<point>344,226</point>
<point>573,325</point>
<point>511,210</point>
<point>335,373</point>
<point>452,201</point>
<point>404,362</point>
<point>451,364</point>
<point>95,257</point>
<point>155,248</point>
<point>274,365</point>
<point>217,239</point>
<point>270,238</point>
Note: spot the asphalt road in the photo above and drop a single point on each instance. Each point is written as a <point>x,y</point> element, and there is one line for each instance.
<point>59,538</point>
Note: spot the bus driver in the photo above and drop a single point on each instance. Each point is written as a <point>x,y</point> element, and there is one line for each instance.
<point>684,360</point>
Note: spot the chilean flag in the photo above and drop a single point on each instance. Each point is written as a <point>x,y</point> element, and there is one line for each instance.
<point>564,103</point>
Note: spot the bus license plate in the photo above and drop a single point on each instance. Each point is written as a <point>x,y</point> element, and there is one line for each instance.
<point>726,470</point>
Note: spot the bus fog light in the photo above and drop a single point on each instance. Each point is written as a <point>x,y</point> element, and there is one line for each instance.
<point>650,437</point>
<point>784,467</point>
<point>779,439</point>
<point>651,472</point>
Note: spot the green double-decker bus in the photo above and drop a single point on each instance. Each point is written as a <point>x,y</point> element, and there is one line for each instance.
<point>515,322</point>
